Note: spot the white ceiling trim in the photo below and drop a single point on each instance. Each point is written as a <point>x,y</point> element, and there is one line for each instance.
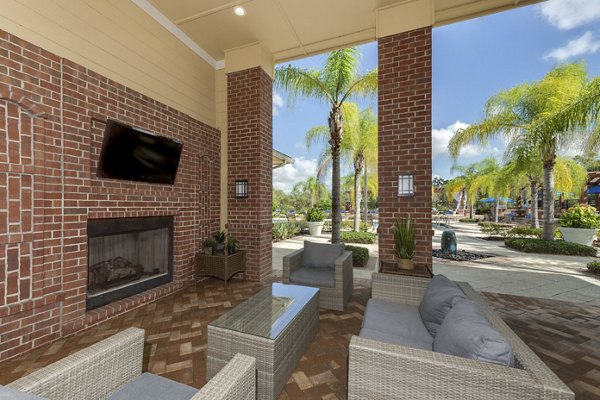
<point>178,33</point>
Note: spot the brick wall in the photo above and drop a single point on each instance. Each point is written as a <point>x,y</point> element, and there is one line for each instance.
<point>250,157</point>
<point>405,137</point>
<point>52,118</point>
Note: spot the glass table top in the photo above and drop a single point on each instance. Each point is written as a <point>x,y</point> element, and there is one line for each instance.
<point>268,312</point>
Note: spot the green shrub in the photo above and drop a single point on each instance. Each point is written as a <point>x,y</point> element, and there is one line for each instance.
<point>529,245</point>
<point>524,231</point>
<point>470,220</point>
<point>360,256</point>
<point>404,238</point>
<point>580,217</point>
<point>286,230</point>
<point>594,267</point>
<point>349,226</point>
<point>315,215</point>
<point>494,229</point>
<point>358,237</point>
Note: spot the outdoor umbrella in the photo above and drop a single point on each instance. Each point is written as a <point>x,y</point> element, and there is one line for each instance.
<point>594,190</point>
<point>493,199</point>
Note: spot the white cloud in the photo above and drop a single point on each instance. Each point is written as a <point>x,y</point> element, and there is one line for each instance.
<point>441,137</point>
<point>286,177</point>
<point>585,44</point>
<point>278,103</point>
<point>569,14</point>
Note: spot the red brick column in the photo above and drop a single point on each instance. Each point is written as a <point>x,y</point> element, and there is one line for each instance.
<point>250,156</point>
<point>405,137</point>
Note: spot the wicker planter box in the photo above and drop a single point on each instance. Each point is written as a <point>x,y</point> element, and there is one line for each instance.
<point>222,267</point>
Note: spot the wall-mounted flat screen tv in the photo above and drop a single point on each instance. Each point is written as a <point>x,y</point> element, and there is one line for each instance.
<point>131,154</point>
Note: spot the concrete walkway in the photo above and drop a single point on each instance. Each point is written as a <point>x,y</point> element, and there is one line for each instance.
<point>508,271</point>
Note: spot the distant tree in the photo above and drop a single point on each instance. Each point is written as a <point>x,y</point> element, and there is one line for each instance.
<point>335,83</point>
<point>439,182</point>
<point>538,119</point>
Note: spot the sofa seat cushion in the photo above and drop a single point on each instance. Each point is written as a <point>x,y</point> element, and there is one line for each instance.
<point>402,321</point>
<point>7,393</point>
<point>316,277</point>
<point>466,332</point>
<point>395,339</point>
<point>153,387</point>
<point>441,295</point>
<point>321,255</point>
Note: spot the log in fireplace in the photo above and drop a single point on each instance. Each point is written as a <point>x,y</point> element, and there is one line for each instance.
<point>127,256</point>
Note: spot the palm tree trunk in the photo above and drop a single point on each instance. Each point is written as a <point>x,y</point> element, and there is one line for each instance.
<point>535,223</point>
<point>471,210</point>
<point>335,131</point>
<point>496,209</point>
<point>460,196</point>
<point>465,203</point>
<point>357,174</point>
<point>548,233</point>
<point>366,198</point>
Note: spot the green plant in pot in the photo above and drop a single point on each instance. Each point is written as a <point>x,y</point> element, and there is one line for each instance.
<point>231,244</point>
<point>220,238</point>
<point>579,224</point>
<point>207,246</point>
<point>315,220</point>
<point>404,242</point>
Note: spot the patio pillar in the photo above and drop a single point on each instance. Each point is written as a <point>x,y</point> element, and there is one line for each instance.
<point>404,105</point>
<point>249,155</point>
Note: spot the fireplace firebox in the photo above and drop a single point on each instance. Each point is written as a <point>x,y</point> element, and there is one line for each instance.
<point>127,256</point>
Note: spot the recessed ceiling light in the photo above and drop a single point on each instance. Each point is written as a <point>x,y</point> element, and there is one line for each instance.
<point>239,10</point>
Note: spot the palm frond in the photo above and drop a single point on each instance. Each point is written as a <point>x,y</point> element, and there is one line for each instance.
<point>302,82</point>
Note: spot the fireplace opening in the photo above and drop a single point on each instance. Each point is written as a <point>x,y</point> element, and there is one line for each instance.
<point>127,256</point>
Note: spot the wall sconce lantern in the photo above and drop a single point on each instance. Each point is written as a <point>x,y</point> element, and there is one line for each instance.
<point>241,189</point>
<point>406,185</point>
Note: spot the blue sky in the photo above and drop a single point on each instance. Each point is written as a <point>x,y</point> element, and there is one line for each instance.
<point>472,60</point>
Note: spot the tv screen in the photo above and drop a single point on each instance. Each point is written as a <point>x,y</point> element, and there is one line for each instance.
<point>130,154</point>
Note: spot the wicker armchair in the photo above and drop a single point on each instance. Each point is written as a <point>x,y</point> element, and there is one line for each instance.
<point>100,370</point>
<point>331,298</point>
<point>379,370</point>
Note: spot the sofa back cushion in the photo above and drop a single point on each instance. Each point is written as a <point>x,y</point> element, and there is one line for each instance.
<point>7,393</point>
<point>321,255</point>
<point>440,296</point>
<point>466,332</point>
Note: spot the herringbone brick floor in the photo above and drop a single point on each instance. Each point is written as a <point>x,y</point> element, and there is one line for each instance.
<point>565,335</point>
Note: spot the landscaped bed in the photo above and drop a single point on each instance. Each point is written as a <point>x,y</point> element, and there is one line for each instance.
<point>529,245</point>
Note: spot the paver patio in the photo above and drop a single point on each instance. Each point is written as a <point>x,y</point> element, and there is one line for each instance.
<point>565,335</point>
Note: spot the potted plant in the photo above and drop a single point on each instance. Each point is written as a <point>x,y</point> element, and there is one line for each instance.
<point>314,220</point>
<point>579,224</point>
<point>220,242</point>
<point>231,244</point>
<point>404,242</point>
<point>207,246</point>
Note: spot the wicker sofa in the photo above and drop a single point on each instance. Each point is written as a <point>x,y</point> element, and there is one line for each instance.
<point>112,369</point>
<point>379,370</point>
<point>335,290</point>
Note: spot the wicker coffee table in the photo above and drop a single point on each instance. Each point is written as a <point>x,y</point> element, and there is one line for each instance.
<point>275,326</point>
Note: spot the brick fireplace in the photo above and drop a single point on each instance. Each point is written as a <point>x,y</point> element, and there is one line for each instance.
<point>52,118</point>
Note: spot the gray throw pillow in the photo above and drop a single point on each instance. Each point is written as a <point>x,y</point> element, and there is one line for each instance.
<point>321,255</point>
<point>440,296</point>
<point>466,333</point>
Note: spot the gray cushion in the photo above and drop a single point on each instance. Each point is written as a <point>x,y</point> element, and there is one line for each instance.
<point>7,393</point>
<point>321,255</point>
<point>318,277</point>
<point>440,296</point>
<point>466,332</point>
<point>153,387</point>
<point>402,320</point>
<point>395,339</point>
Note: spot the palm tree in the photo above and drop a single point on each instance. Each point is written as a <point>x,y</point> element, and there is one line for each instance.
<point>358,147</point>
<point>492,180</point>
<point>533,120</point>
<point>335,83</point>
<point>462,184</point>
<point>313,187</point>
